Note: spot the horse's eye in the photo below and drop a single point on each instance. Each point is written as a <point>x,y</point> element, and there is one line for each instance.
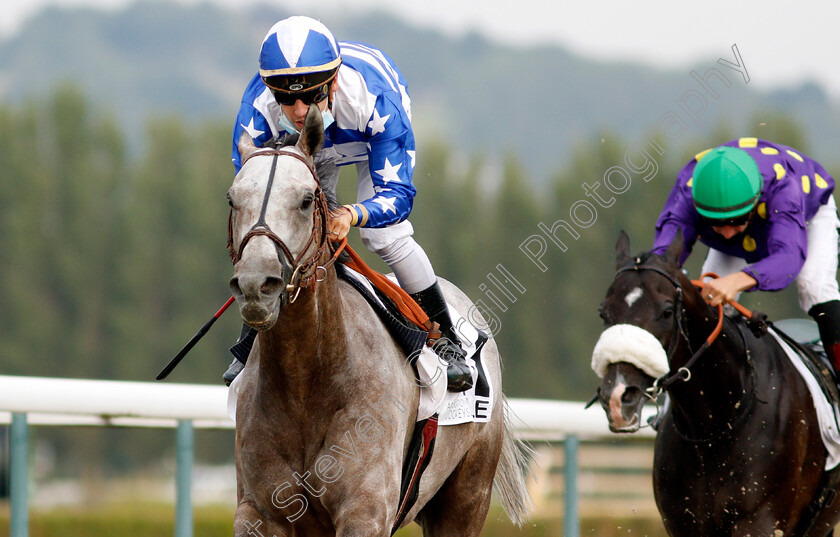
<point>229,200</point>
<point>307,201</point>
<point>668,312</point>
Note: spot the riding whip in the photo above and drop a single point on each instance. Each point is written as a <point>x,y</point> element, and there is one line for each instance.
<point>191,343</point>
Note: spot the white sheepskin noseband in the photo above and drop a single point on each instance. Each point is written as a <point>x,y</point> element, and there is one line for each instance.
<point>631,344</point>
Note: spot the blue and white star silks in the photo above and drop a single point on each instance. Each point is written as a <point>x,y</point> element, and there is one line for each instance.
<point>387,204</point>
<point>389,172</point>
<point>252,131</point>
<point>377,124</point>
<point>258,118</point>
<point>372,111</point>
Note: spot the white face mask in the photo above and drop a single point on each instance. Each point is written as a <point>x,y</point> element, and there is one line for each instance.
<point>326,117</point>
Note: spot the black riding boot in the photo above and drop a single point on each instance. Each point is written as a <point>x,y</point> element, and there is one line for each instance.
<point>827,315</point>
<point>458,374</point>
<point>240,352</point>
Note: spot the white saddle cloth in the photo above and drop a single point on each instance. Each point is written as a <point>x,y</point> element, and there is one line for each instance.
<point>826,412</point>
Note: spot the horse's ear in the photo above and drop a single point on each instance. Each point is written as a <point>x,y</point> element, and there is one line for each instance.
<point>246,146</point>
<point>675,249</point>
<point>312,135</point>
<point>622,250</point>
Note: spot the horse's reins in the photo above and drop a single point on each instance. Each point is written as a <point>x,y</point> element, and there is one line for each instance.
<point>684,373</point>
<point>757,322</point>
<point>301,274</point>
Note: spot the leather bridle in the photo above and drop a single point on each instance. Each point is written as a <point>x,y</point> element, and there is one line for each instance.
<point>297,271</point>
<point>684,372</point>
<point>679,331</point>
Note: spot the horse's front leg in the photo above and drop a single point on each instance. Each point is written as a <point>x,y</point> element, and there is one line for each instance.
<point>364,521</point>
<point>248,522</point>
<point>369,509</point>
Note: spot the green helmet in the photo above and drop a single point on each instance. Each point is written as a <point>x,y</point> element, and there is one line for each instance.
<point>727,183</point>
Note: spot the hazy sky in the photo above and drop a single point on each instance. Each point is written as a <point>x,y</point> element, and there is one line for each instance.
<point>781,43</point>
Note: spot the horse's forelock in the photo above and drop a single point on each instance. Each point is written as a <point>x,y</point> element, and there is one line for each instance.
<point>660,264</point>
<point>288,140</point>
<point>642,259</point>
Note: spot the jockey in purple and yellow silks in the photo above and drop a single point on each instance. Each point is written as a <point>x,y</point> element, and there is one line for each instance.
<point>767,214</point>
<point>366,109</point>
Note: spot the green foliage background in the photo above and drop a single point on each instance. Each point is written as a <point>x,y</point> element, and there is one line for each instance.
<point>112,260</point>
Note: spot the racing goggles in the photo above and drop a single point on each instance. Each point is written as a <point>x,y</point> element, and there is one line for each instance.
<point>308,87</point>
<point>734,222</point>
<point>308,97</point>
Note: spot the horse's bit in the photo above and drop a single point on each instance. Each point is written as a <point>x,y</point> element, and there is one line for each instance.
<point>299,269</point>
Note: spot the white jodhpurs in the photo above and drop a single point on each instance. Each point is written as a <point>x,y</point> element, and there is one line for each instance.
<point>817,281</point>
<point>394,244</point>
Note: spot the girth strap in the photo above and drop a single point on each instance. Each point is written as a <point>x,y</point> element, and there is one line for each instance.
<point>419,456</point>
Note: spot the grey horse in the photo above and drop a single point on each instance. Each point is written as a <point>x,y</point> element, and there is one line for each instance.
<point>327,402</point>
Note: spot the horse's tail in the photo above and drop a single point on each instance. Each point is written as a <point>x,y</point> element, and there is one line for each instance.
<point>514,464</point>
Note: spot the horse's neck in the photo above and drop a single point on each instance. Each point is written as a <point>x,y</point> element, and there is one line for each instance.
<point>719,377</point>
<point>298,356</point>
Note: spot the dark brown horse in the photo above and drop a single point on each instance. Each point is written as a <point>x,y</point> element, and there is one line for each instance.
<point>738,452</point>
<point>328,402</point>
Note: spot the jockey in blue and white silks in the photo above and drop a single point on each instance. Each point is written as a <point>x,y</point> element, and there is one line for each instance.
<point>366,108</point>
<point>372,126</point>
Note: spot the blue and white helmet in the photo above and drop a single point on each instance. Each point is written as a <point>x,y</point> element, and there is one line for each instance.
<point>299,55</point>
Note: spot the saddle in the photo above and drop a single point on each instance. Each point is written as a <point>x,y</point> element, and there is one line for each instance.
<point>405,320</point>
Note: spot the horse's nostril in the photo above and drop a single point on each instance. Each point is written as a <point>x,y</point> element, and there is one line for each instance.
<point>234,287</point>
<point>631,395</point>
<point>272,285</point>
<point>257,286</point>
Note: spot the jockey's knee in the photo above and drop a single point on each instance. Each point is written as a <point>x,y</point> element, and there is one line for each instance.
<point>402,254</point>
<point>396,252</point>
<point>393,243</point>
<point>816,288</point>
